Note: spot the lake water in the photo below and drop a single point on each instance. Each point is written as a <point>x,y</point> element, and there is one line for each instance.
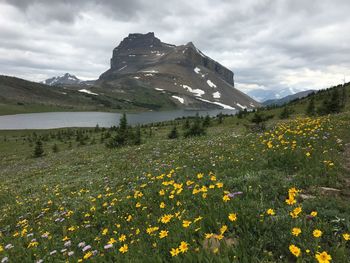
<point>51,120</point>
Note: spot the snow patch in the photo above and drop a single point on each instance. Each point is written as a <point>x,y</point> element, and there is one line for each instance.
<point>136,77</point>
<point>159,89</point>
<point>224,106</point>
<point>197,70</point>
<point>150,71</point>
<point>217,95</point>
<point>211,84</point>
<point>241,106</point>
<point>196,92</point>
<point>132,55</point>
<point>179,99</point>
<point>149,75</point>
<point>87,92</point>
<point>122,68</point>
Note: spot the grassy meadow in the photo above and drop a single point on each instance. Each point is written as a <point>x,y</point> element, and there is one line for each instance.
<point>232,195</point>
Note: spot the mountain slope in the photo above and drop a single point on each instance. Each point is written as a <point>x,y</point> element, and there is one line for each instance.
<point>66,79</point>
<point>288,98</point>
<point>184,73</point>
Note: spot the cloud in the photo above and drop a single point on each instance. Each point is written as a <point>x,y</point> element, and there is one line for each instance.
<point>268,44</point>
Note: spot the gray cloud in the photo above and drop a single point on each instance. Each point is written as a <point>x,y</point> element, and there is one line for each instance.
<point>267,43</point>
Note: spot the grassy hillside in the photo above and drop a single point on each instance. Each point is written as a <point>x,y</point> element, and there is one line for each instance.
<point>232,195</point>
<point>21,96</point>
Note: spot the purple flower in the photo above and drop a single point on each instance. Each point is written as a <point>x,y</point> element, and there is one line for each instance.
<point>232,195</point>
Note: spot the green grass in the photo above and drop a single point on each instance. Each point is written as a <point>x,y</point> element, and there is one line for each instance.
<point>86,193</point>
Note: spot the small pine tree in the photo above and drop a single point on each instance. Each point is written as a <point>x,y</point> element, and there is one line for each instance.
<point>206,122</point>
<point>137,136</point>
<point>186,124</point>
<point>196,129</point>
<point>55,148</point>
<point>38,149</point>
<point>173,133</point>
<point>311,110</point>
<point>285,113</point>
<point>220,117</point>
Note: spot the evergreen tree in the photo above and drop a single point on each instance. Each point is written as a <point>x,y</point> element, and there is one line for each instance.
<point>38,150</point>
<point>173,133</point>
<point>196,129</point>
<point>220,117</point>
<point>55,148</point>
<point>343,97</point>
<point>206,122</point>
<point>311,110</point>
<point>137,137</point>
<point>285,113</point>
<point>186,124</point>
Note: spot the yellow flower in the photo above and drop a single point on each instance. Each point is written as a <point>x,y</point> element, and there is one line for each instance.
<point>88,255</point>
<point>123,249</point>
<point>346,236</point>
<point>223,229</point>
<point>294,250</point>
<point>208,235</point>
<point>162,205</point>
<point>162,192</point>
<point>313,213</point>
<point>200,175</point>
<point>323,257</point>
<point>111,241</point>
<point>219,185</point>
<point>174,252</point>
<point>296,231</point>
<point>295,213</point>
<point>122,238</point>
<point>232,217</point>
<point>308,154</point>
<point>183,246</point>
<point>72,228</point>
<point>166,218</point>
<point>65,238</point>
<point>186,223</point>
<point>104,231</point>
<point>138,204</point>
<point>163,233</point>
<point>33,244</point>
<point>226,198</point>
<point>1,248</point>
<point>270,212</point>
<point>317,233</point>
<point>129,218</point>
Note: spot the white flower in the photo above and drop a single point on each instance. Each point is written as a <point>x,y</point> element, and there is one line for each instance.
<point>8,246</point>
<point>70,253</point>
<point>108,246</point>
<point>86,248</point>
<point>5,259</point>
<point>53,252</point>
<point>81,244</point>
<point>68,243</point>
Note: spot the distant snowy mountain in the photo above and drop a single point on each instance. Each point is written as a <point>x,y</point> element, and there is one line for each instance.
<point>288,98</point>
<point>66,79</point>
<point>262,95</point>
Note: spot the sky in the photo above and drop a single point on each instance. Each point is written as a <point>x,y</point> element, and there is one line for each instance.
<point>268,44</point>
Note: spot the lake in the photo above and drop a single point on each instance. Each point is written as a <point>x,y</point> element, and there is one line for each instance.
<point>52,120</point>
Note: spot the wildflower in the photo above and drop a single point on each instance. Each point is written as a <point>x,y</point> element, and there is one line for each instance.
<point>86,248</point>
<point>111,241</point>
<point>162,205</point>
<point>122,238</point>
<point>197,219</point>
<point>270,212</point>
<point>346,236</point>
<point>183,247</point>
<point>186,223</point>
<point>308,154</point>
<point>323,257</point>
<point>1,248</point>
<point>223,229</point>
<point>200,175</point>
<point>313,213</point>
<point>88,255</point>
<point>296,231</point>
<point>65,238</point>
<point>232,195</point>
<point>108,246</point>
<point>317,233</point>
<point>33,243</point>
<point>123,249</point>
<point>295,213</point>
<point>72,228</point>
<point>129,218</point>
<point>294,250</point>
<point>104,231</point>
<point>138,204</point>
<point>163,234</point>
<point>166,218</point>
<point>232,217</point>
<point>226,198</point>
<point>219,185</point>
<point>174,252</point>
<point>208,235</point>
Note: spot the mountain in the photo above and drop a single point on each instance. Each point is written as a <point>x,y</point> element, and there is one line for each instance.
<point>262,95</point>
<point>141,62</point>
<point>288,98</point>
<point>66,79</point>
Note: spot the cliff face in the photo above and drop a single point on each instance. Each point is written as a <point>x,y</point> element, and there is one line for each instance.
<point>138,51</point>
<point>189,77</point>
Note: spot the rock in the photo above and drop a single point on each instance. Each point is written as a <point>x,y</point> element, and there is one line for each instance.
<point>329,191</point>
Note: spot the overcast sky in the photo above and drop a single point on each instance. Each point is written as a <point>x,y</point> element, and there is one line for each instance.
<point>268,44</point>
